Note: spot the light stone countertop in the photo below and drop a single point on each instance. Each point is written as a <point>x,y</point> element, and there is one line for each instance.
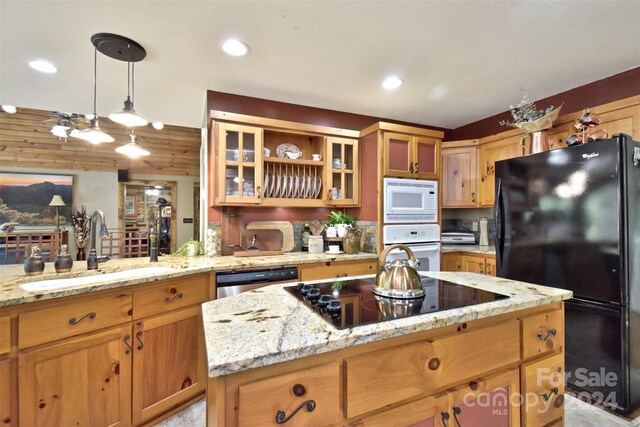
<point>11,276</point>
<point>268,325</point>
<point>476,249</point>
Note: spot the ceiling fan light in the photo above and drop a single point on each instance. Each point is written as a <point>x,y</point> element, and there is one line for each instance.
<point>94,134</point>
<point>60,131</point>
<point>128,116</point>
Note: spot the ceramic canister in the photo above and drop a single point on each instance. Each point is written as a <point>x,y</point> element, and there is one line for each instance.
<point>63,262</point>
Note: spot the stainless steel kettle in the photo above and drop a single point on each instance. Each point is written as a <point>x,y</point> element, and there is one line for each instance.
<point>398,278</point>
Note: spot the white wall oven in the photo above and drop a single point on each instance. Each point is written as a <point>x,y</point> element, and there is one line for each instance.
<point>410,201</point>
<point>422,239</point>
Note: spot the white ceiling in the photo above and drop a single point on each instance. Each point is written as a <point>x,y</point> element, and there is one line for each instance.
<point>461,60</point>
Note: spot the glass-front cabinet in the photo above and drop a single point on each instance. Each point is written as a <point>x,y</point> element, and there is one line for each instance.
<point>240,163</point>
<point>411,156</point>
<point>342,178</point>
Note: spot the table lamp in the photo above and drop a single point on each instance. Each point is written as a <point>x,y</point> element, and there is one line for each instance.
<point>57,202</point>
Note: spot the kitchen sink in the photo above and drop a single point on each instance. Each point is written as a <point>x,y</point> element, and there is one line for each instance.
<point>49,285</point>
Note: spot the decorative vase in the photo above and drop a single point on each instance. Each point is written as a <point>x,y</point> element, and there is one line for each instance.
<point>539,141</point>
<point>34,265</point>
<point>63,262</point>
<point>316,244</point>
<point>80,256</point>
<point>351,242</point>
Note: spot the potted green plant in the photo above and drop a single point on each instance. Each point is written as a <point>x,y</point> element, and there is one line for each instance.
<point>341,221</point>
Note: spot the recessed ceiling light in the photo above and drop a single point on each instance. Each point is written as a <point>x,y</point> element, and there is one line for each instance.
<point>235,47</point>
<point>9,109</point>
<point>392,82</point>
<point>157,125</point>
<point>43,66</point>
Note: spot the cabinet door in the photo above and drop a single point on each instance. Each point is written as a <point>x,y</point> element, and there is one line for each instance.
<point>450,262</point>
<point>490,153</point>
<point>331,269</point>
<point>426,412</point>
<point>426,157</point>
<point>490,266</point>
<point>342,180</point>
<point>487,402</point>
<point>168,362</point>
<point>398,155</point>
<point>6,398</point>
<point>240,163</point>
<point>543,388</point>
<point>84,382</point>
<point>472,264</point>
<point>460,177</point>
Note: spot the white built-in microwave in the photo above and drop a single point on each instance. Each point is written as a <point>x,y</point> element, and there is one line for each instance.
<point>410,200</point>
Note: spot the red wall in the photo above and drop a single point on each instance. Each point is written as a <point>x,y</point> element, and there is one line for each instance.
<point>613,88</point>
<point>239,104</point>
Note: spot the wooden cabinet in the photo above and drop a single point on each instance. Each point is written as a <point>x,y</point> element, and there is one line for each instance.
<point>472,264</point>
<point>342,179</point>
<point>490,153</point>
<point>249,156</point>
<point>109,359</point>
<point>304,398</point>
<point>459,175</point>
<point>450,261</point>
<point>427,411</point>
<point>490,266</point>
<point>6,396</point>
<point>168,362</point>
<point>5,334</point>
<point>542,333</point>
<point>410,156</point>
<point>239,163</point>
<point>486,402</point>
<point>333,269</point>
<point>85,381</point>
<point>543,388</point>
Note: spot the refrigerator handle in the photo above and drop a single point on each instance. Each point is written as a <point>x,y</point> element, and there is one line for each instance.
<point>499,220</point>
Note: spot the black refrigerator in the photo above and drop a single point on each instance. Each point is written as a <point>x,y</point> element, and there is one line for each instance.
<point>570,219</point>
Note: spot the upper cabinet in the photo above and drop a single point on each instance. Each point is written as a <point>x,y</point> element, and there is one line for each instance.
<point>459,180</point>
<point>267,162</point>
<point>490,153</point>
<point>410,156</point>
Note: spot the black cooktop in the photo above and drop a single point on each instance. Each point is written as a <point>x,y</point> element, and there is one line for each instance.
<point>348,303</point>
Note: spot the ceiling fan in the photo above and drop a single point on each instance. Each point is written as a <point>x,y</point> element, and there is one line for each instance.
<point>66,124</point>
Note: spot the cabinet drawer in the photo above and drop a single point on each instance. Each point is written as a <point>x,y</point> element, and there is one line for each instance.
<point>538,333</point>
<point>543,388</point>
<point>260,402</point>
<point>170,295</point>
<point>85,315</point>
<point>332,269</point>
<point>427,366</point>
<point>5,334</point>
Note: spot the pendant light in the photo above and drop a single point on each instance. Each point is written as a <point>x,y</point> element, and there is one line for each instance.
<point>128,116</point>
<point>132,149</point>
<point>93,134</point>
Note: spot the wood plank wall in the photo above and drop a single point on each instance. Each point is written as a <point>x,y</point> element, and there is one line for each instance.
<point>26,140</point>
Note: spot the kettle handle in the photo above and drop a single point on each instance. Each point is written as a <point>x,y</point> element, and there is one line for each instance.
<point>383,256</point>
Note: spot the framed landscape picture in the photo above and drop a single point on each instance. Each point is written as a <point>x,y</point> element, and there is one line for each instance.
<point>25,198</point>
<point>130,206</point>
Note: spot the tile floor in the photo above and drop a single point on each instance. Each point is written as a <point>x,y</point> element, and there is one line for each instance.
<point>578,414</point>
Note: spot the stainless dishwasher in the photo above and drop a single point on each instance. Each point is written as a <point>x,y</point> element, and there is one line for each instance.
<point>234,282</point>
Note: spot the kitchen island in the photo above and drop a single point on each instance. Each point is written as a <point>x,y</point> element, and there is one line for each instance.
<point>271,358</point>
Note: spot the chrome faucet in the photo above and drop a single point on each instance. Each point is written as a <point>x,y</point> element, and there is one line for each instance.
<point>92,260</point>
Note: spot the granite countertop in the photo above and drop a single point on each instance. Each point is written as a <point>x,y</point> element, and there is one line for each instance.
<point>11,276</point>
<point>249,331</point>
<point>476,249</point>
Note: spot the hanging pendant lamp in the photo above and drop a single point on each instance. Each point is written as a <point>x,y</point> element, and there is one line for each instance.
<point>132,149</point>
<point>123,49</point>
<point>93,133</point>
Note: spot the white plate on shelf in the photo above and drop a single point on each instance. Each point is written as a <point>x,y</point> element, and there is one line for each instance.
<point>335,253</point>
<point>318,187</point>
<point>282,149</point>
<point>265,185</point>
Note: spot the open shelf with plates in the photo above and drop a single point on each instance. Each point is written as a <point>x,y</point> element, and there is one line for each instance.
<point>268,162</point>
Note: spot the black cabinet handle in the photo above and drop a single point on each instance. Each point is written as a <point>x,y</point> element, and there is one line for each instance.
<point>445,419</point>
<point>411,167</point>
<point>73,320</point>
<point>138,335</point>
<point>126,342</point>
<point>553,391</point>
<point>457,411</point>
<point>282,418</point>
<point>543,336</point>
<point>417,170</point>
<point>169,299</point>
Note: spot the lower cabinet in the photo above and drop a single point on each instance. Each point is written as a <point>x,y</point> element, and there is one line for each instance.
<point>469,262</point>
<point>168,362</point>
<point>543,390</point>
<point>83,382</point>
<point>6,400</point>
<point>428,411</point>
<point>334,269</point>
